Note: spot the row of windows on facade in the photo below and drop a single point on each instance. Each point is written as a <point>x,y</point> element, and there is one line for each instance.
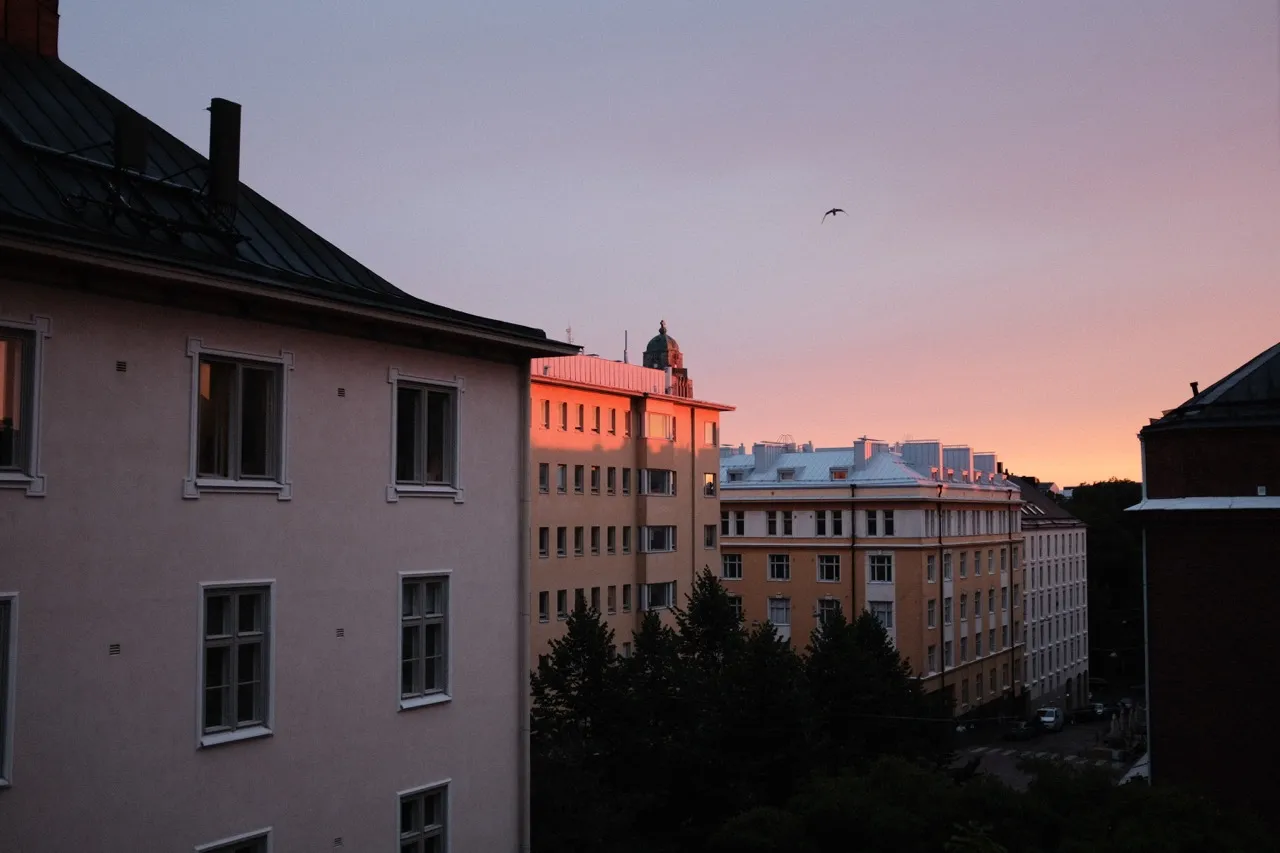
<point>652,539</point>
<point>879,567</point>
<point>240,417</point>
<point>947,561</point>
<point>656,424</point>
<point>825,522</point>
<point>653,596</point>
<point>1043,575</point>
<point>979,685</point>
<point>931,620</point>
<point>237,637</point>
<point>1060,657</point>
<point>423,826</point>
<point>971,522</point>
<point>649,481</point>
<point>948,660</point>
<point>1054,544</point>
<point>1059,601</point>
<point>1054,630</point>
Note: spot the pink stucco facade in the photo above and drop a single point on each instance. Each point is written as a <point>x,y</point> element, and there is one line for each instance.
<point>105,752</point>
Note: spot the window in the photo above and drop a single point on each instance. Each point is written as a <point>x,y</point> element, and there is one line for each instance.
<point>422,821</point>
<point>977,604</point>
<point>837,522</point>
<point>252,842</point>
<point>612,598</point>
<point>7,606</point>
<point>977,681</point>
<point>964,606</point>
<point>839,473</point>
<point>735,601</point>
<point>626,423</point>
<point>933,658</point>
<point>991,562</point>
<point>786,473</point>
<point>829,568</point>
<point>964,649</point>
<point>964,564</point>
<point>17,398</point>
<point>240,424</point>
<point>725,526</point>
<point>931,569</point>
<point>820,523</point>
<point>626,650</point>
<point>562,604</point>
<point>786,522</point>
<point>544,541</point>
<point>611,540</point>
<point>580,599</point>
<point>779,567</point>
<point>545,414</point>
<point>871,523</point>
<point>880,568</point>
<point>595,479</point>
<point>564,416</point>
<point>828,609</point>
<point>888,522</point>
<point>658,538</point>
<point>595,539</point>
<point>626,481</point>
<point>595,419</point>
<point>946,567</point>
<point>582,417</point>
<point>424,668</point>
<point>946,610</point>
<point>579,539</point>
<point>931,611</point>
<point>883,611</point>
<point>562,541</point>
<point>731,567</point>
<point>626,596</point>
<point>595,598</point>
<point>1004,636</point>
<point>657,481</point>
<point>544,606</point>
<point>709,535</point>
<point>611,480</point>
<point>739,523</point>
<point>1004,598</point>
<point>771,523</point>
<point>977,644</point>
<point>562,479</point>
<point>709,485</point>
<point>709,434</point>
<point>579,478</point>
<point>613,422</point>
<point>780,611</point>
<point>544,477</point>
<point>1002,560</point>
<point>947,658</point>
<point>736,476</point>
<point>991,599</point>
<point>235,663</point>
<point>660,596</point>
<point>660,426</point>
<point>626,539</point>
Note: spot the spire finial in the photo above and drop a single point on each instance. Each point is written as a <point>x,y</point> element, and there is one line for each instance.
<point>662,327</point>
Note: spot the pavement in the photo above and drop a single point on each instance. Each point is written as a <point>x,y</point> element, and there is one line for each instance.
<point>1073,746</point>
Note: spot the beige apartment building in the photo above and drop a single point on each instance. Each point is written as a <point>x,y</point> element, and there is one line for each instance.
<point>925,537</point>
<point>626,505</point>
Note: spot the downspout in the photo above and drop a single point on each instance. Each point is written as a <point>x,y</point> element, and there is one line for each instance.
<point>1146,619</point>
<point>853,553</point>
<point>523,625</point>
<point>696,494</point>
<point>1013,639</point>
<point>942,622</point>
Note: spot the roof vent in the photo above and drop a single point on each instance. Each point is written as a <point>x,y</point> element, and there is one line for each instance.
<point>224,152</point>
<point>130,142</point>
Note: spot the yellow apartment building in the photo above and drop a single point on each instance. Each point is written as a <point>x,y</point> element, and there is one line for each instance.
<point>626,507</point>
<point>925,537</point>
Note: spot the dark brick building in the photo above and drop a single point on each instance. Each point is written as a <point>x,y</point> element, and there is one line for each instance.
<point>1211,531</point>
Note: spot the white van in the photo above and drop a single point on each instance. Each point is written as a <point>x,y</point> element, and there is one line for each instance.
<point>1050,719</point>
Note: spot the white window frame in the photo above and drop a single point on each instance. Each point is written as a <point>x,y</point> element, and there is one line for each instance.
<point>31,478</point>
<point>445,695</point>
<point>710,535</point>
<point>835,557</point>
<point>268,726</point>
<point>871,605</point>
<point>442,784</point>
<point>785,560</point>
<point>769,610</point>
<point>9,691</point>
<point>227,843</point>
<point>892,567</point>
<point>644,539</point>
<point>396,491</point>
<point>646,602</point>
<point>724,565</point>
<point>282,487</point>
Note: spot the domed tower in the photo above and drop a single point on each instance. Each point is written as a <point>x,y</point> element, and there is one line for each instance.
<point>663,353</point>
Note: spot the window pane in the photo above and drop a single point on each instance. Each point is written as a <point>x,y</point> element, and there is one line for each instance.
<point>257,421</point>
<point>12,372</point>
<point>434,654</point>
<point>249,683</point>
<point>217,682</point>
<point>408,426</point>
<point>435,599</point>
<point>217,616</point>
<point>250,613</point>
<point>438,437</point>
<point>410,815</point>
<point>213,438</point>
<point>411,604</point>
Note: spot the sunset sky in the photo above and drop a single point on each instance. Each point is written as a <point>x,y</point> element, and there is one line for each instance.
<point>1060,213</point>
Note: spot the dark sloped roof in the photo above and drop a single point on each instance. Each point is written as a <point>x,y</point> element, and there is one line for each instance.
<point>1248,394</point>
<point>1037,506</point>
<point>57,179</point>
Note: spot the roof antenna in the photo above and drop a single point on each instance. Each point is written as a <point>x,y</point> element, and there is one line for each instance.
<point>568,334</point>
<point>625,360</point>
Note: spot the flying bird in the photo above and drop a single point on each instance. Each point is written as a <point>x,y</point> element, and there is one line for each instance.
<point>832,212</point>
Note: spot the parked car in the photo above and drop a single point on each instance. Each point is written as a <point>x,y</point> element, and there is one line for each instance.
<point>1051,719</point>
<point>1020,730</point>
<point>1092,712</point>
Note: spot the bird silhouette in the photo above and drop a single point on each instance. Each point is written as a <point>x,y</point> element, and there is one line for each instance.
<point>832,212</point>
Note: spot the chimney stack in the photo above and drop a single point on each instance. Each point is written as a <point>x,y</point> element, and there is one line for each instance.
<point>30,25</point>
<point>224,152</point>
<point>130,144</point>
<point>1195,388</point>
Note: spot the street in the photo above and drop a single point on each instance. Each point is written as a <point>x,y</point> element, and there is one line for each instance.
<point>1079,745</point>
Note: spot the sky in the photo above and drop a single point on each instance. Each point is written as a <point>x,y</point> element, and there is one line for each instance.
<point>1059,214</point>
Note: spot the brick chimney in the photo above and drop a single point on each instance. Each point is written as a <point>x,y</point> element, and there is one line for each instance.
<point>30,25</point>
